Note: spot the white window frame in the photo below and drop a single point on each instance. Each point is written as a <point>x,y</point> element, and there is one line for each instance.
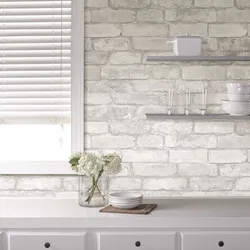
<point>77,105</point>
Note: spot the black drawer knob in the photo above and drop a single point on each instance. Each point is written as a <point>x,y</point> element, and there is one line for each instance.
<point>137,243</point>
<point>221,243</point>
<point>47,245</point>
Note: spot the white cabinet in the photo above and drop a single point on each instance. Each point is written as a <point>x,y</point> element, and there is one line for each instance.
<point>215,240</point>
<point>50,241</point>
<point>137,240</point>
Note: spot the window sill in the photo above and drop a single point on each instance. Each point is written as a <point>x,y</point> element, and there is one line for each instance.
<point>35,168</point>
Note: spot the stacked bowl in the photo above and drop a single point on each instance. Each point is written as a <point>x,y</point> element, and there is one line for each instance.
<point>238,99</point>
<point>125,200</point>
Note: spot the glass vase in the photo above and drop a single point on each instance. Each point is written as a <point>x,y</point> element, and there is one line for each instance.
<point>93,193</point>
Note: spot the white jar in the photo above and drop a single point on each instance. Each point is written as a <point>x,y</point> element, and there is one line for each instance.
<point>187,45</point>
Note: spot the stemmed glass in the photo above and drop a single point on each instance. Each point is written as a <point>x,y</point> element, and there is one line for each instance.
<point>203,101</point>
<point>188,101</point>
<point>170,101</point>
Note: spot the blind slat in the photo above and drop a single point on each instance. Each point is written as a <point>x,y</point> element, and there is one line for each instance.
<point>35,60</point>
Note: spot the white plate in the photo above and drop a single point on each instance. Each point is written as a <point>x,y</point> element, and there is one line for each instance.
<point>117,201</point>
<point>126,195</point>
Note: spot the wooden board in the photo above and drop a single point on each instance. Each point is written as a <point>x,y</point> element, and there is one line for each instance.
<point>141,209</point>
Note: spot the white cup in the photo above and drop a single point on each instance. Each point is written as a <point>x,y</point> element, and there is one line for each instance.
<point>238,88</point>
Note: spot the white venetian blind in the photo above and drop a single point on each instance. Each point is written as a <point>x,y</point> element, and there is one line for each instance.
<point>35,60</point>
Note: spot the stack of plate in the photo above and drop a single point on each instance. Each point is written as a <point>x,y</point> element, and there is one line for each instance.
<point>125,200</point>
<point>238,99</point>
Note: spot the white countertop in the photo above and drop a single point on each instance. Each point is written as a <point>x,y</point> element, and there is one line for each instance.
<point>171,213</point>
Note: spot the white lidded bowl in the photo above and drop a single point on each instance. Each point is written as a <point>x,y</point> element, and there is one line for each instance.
<point>238,97</point>
<point>238,88</point>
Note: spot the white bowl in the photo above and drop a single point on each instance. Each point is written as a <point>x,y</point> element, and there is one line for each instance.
<point>125,202</point>
<point>236,108</point>
<point>126,195</point>
<point>238,97</point>
<point>238,88</point>
<point>128,206</point>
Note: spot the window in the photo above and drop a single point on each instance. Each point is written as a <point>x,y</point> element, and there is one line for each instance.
<point>41,85</point>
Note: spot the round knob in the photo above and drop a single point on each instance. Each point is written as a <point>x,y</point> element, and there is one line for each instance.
<point>47,245</point>
<point>137,243</point>
<point>221,243</point>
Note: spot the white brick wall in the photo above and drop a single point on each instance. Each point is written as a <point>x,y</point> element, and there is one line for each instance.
<point>159,157</point>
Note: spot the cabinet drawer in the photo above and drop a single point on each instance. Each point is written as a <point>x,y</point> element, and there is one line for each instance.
<point>215,240</point>
<point>142,241</point>
<point>43,241</point>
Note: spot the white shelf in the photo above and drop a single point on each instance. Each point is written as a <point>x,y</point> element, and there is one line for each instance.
<point>198,58</point>
<point>161,116</point>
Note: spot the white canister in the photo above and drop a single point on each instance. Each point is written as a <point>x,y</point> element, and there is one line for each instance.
<point>187,45</point>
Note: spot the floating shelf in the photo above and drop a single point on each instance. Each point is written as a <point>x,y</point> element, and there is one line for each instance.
<point>198,58</point>
<point>159,116</point>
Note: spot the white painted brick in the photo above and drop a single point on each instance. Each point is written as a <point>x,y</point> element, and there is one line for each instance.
<point>139,99</point>
<point>195,155</point>
<point>7,183</point>
<point>204,73</point>
<point>102,30</point>
<point>238,72</point>
<point>235,170</point>
<point>111,44</point>
<point>87,16</point>
<point>150,141</point>
<point>214,127</point>
<point>243,184</point>
<point>154,169</point>
<point>96,127</point>
<point>129,127</point>
<point>227,30</point>
<point>151,15</point>
<point>100,113</point>
<point>167,72</point>
<point>95,58</point>
<point>152,85</point>
<point>43,183</point>
<point>165,184</point>
<point>243,127</point>
<point>197,29</point>
<point>125,58</point>
<point>92,72</point>
<point>112,16</point>
<point>87,44</point>
<point>125,72</point>
<point>144,155</point>
<point>227,156</point>
<point>125,184</point>
<point>192,169</point>
<point>151,43</point>
<point>191,141</point>
<point>234,141</point>
<point>96,3</point>
<point>98,98</point>
<point>172,128</point>
<point>211,184</point>
<point>233,16</point>
<point>214,3</point>
<point>87,142</point>
<point>129,4</point>
<point>191,15</point>
<point>144,30</point>
<point>242,4</point>
<point>70,183</point>
<point>109,141</point>
<point>234,44</point>
<point>172,3</point>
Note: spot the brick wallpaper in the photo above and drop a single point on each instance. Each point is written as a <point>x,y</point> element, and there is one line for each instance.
<point>159,158</point>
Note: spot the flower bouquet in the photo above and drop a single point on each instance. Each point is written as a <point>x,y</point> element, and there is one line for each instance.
<point>93,171</point>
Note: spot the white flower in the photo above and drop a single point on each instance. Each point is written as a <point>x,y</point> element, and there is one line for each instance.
<point>112,164</point>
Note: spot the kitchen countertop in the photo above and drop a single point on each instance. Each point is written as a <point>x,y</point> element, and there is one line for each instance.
<point>37,213</point>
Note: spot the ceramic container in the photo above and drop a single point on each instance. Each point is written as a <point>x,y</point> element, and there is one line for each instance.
<point>236,108</point>
<point>238,97</point>
<point>238,88</point>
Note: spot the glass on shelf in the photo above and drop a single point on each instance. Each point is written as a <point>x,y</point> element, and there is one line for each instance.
<point>203,101</point>
<point>187,101</point>
<point>170,101</point>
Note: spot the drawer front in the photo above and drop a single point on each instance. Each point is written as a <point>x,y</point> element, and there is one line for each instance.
<point>43,241</point>
<point>140,241</point>
<point>215,240</point>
